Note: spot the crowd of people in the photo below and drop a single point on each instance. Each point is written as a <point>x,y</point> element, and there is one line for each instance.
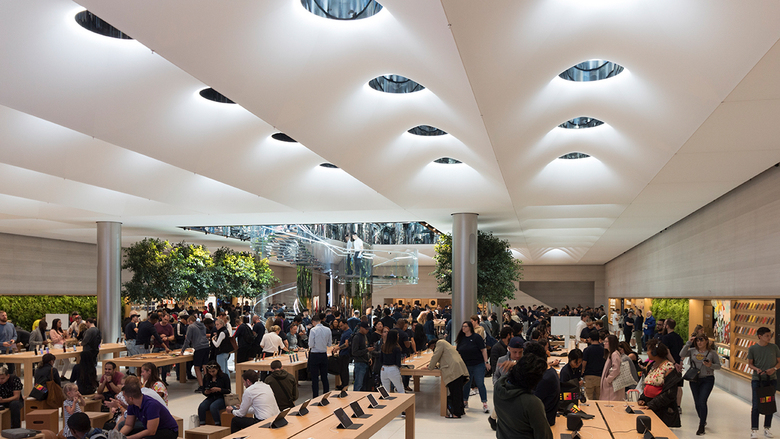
<point>514,351</point>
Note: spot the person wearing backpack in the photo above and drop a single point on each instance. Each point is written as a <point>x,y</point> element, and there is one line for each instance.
<point>246,341</point>
<point>283,384</point>
<point>81,428</point>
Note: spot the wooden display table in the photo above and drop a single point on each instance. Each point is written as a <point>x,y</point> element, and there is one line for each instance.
<point>27,359</point>
<point>419,369</point>
<point>290,365</point>
<point>622,425</point>
<point>159,359</point>
<point>320,422</point>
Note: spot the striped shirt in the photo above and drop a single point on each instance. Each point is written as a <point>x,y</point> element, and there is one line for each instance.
<point>320,338</point>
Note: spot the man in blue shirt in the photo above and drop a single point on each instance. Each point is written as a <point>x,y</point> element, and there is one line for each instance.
<point>344,354</point>
<point>649,330</point>
<point>320,339</point>
<point>157,420</point>
<point>354,320</point>
<point>8,338</point>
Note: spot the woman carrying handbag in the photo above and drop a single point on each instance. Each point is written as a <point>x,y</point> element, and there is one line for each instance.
<point>701,375</point>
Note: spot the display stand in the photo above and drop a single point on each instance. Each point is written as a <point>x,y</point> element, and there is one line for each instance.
<point>746,317</point>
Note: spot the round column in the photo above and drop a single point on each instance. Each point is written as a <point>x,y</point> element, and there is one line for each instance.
<point>464,269</point>
<point>109,275</point>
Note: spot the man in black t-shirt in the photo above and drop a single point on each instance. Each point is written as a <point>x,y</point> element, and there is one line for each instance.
<point>593,365</point>
<point>405,341</point>
<point>549,388</point>
<point>674,343</point>
<point>387,320</point>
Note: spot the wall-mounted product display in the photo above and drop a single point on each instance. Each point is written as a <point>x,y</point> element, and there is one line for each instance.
<point>745,318</point>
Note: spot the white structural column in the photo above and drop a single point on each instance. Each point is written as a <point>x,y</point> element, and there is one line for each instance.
<point>464,269</point>
<point>109,302</point>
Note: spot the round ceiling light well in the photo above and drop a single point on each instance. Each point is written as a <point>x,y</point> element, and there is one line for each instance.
<point>342,9</point>
<point>329,165</point>
<point>447,161</point>
<point>213,95</point>
<point>93,23</point>
<point>581,122</point>
<point>426,130</point>
<point>592,70</point>
<point>394,84</point>
<point>574,156</point>
<point>283,138</point>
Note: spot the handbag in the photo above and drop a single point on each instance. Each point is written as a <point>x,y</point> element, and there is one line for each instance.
<point>692,374</point>
<point>625,378</point>
<point>56,397</point>
<point>766,396</point>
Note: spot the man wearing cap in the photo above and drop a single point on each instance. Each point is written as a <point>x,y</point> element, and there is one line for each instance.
<point>503,365</point>
<point>131,330</point>
<point>360,354</point>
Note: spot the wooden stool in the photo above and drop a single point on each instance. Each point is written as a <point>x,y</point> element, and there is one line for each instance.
<point>226,417</point>
<point>31,404</point>
<point>180,422</point>
<point>208,432</point>
<point>48,419</point>
<point>5,419</point>
<point>97,419</point>
<point>91,404</point>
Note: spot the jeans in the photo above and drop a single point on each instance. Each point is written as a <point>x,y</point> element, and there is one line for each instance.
<point>360,375</point>
<point>754,410</point>
<point>214,405</point>
<point>701,392</point>
<point>222,360</point>
<point>131,351</point>
<point>318,368</point>
<point>392,375</point>
<point>477,376</point>
<point>16,407</point>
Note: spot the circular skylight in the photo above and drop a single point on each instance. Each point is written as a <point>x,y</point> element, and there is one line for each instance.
<point>329,165</point>
<point>447,161</point>
<point>394,84</point>
<point>574,156</point>
<point>581,122</point>
<point>93,23</point>
<point>283,138</point>
<point>342,9</point>
<point>213,95</point>
<point>426,130</point>
<point>592,70</point>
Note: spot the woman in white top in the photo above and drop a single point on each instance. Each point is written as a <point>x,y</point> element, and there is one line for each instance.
<point>613,327</point>
<point>272,342</point>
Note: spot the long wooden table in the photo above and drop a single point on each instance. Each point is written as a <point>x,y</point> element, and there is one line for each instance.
<point>288,363</point>
<point>320,422</point>
<point>159,359</point>
<point>612,422</point>
<point>27,359</point>
<point>420,369</point>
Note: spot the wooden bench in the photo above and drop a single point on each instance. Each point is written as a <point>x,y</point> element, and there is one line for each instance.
<point>31,404</point>
<point>47,419</point>
<point>208,432</point>
<point>180,423</point>
<point>5,419</point>
<point>97,419</point>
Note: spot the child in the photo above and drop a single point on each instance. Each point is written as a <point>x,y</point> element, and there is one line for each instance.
<point>72,404</point>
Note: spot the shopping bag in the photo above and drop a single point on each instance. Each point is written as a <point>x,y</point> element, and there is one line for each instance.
<point>766,396</point>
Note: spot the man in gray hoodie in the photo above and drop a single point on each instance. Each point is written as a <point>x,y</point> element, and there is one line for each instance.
<point>197,339</point>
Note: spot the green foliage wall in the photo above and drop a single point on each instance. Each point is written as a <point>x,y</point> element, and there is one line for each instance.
<point>24,310</point>
<point>676,309</point>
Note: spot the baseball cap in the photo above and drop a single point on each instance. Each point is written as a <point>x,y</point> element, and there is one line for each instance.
<point>516,343</point>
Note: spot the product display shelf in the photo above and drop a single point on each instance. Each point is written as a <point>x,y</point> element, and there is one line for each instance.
<point>746,317</point>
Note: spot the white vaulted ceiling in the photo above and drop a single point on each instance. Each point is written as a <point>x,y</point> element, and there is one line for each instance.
<point>100,129</point>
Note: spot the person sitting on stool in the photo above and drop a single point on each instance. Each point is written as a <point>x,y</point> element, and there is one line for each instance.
<point>259,396</point>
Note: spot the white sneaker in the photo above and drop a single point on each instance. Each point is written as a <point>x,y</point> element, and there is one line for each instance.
<point>753,434</point>
<point>473,392</point>
<point>768,433</point>
<point>487,410</point>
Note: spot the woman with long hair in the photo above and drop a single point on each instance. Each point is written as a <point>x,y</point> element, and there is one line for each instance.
<point>220,345</point>
<point>420,340</point>
<point>611,371</point>
<point>429,327</point>
<point>473,351</point>
<point>39,337</point>
<point>706,361</point>
<point>661,383</point>
<point>216,384</point>
<point>58,339</point>
<point>390,359</point>
<point>150,378</point>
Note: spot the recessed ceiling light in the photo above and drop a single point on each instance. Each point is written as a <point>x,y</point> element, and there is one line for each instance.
<point>426,130</point>
<point>283,138</point>
<point>447,161</point>
<point>93,23</point>
<point>591,70</point>
<point>574,156</point>
<point>394,84</point>
<point>342,9</point>
<point>329,165</point>
<point>213,95</point>
<point>581,122</point>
